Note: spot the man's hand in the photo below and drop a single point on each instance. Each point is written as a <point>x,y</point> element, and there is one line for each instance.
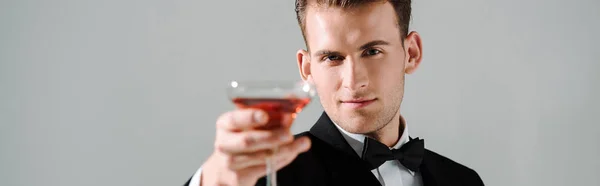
<point>241,147</point>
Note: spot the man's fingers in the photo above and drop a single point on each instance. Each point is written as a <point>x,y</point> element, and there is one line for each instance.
<point>287,153</point>
<point>253,140</point>
<point>255,171</point>
<point>242,161</point>
<point>292,149</point>
<point>242,119</point>
<point>281,155</point>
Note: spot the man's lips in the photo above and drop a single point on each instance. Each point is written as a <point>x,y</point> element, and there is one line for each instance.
<point>357,103</point>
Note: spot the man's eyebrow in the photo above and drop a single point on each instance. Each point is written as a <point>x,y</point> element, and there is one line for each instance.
<point>363,47</point>
<point>373,43</point>
<point>327,53</point>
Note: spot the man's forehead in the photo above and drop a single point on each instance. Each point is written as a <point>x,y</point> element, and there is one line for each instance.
<point>366,13</point>
<point>328,25</point>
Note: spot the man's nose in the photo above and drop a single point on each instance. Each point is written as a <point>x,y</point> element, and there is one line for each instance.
<point>355,75</point>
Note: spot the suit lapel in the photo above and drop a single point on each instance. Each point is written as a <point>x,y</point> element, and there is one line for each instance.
<point>430,170</point>
<point>341,161</point>
<point>325,130</point>
<point>427,176</point>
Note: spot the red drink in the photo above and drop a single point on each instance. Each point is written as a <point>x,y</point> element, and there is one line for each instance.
<point>275,107</point>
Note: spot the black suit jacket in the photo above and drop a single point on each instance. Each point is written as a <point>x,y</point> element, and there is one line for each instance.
<point>331,161</point>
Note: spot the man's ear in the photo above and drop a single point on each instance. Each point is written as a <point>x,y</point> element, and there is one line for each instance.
<point>303,59</point>
<point>414,52</point>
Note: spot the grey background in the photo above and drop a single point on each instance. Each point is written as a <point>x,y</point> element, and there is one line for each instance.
<point>127,92</point>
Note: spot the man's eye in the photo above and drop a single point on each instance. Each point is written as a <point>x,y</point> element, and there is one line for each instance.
<point>372,52</point>
<point>332,58</point>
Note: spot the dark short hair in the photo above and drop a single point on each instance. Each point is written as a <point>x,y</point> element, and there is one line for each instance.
<point>401,7</point>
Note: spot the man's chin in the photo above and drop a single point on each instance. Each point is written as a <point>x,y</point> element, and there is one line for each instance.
<point>358,124</point>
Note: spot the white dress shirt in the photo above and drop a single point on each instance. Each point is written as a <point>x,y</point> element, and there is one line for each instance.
<point>390,173</point>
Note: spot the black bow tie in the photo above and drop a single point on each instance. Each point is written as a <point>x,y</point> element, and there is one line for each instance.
<point>410,154</point>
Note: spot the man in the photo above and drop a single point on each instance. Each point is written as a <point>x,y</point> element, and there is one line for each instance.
<point>358,52</point>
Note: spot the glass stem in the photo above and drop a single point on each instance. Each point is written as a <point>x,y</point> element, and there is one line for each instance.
<point>271,173</point>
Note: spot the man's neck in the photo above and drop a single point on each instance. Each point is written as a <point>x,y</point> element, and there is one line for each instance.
<point>390,133</point>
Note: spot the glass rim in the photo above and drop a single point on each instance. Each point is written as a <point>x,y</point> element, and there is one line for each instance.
<point>270,88</point>
<point>267,83</point>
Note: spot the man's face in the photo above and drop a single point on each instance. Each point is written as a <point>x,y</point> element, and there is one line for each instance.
<point>357,63</point>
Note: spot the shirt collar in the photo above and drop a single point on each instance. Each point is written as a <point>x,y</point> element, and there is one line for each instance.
<point>356,141</point>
